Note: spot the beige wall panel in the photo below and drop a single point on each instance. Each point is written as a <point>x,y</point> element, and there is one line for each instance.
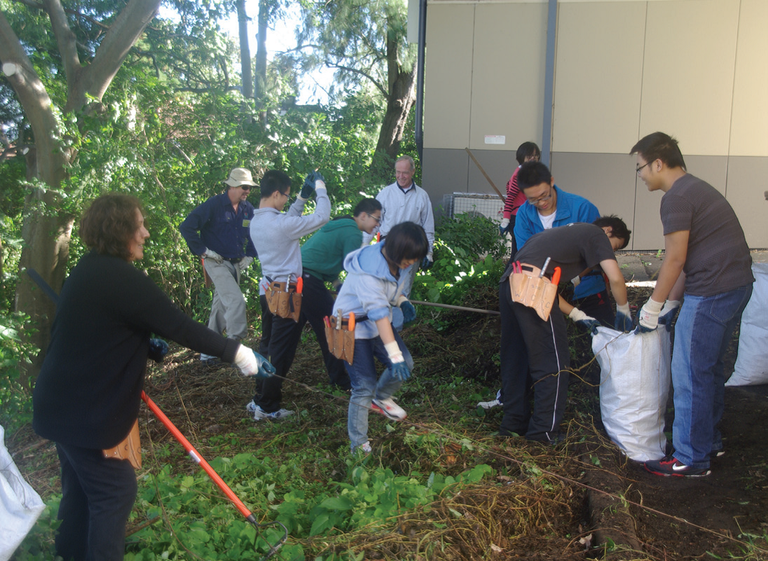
<point>606,180</point>
<point>447,92</point>
<point>749,133</point>
<point>498,165</point>
<point>599,69</point>
<point>688,72</point>
<point>746,193</point>
<point>508,77</point>
<point>444,171</point>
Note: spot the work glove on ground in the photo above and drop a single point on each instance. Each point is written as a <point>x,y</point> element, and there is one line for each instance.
<point>426,263</point>
<point>210,254</point>
<point>667,314</point>
<point>648,316</point>
<point>399,367</point>
<point>409,312</point>
<point>503,226</point>
<point>253,364</point>
<point>623,319</point>
<point>585,321</point>
<point>157,349</point>
<point>245,262</point>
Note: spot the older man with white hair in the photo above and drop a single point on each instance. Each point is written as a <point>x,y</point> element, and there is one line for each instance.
<point>219,232</point>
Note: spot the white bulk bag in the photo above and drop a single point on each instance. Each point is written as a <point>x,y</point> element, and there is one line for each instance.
<point>752,362</point>
<point>20,505</point>
<point>634,386</point>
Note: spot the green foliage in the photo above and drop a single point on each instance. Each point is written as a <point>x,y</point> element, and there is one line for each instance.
<point>466,256</point>
<point>15,396</point>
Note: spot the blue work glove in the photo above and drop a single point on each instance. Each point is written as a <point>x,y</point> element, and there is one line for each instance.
<point>583,320</point>
<point>309,186</point>
<point>253,364</point>
<point>401,371</point>
<point>318,176</point>
<point>426,263</point>
<point>667,314</point>
<point>648,316</point>
<point>157,349</point>
<point>623,319</point>
<point>409,312</point>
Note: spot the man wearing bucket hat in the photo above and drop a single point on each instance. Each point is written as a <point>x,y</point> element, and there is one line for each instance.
<point>219,232</point>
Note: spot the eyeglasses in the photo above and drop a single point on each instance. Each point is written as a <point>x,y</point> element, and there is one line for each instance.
<point>245,187</point>
<point>376,218</point>
<point>637,169</point>
<point>542,198</point>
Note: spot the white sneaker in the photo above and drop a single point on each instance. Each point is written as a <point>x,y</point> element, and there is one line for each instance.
<point>365,448</point>
<point>259,413</point>
<point>389,409</point>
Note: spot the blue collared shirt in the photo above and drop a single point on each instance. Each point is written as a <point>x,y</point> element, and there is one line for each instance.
<point>216,226</point>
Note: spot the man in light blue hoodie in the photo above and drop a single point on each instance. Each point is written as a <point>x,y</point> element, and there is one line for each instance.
<point>372,289</point>
<point>276,236</point>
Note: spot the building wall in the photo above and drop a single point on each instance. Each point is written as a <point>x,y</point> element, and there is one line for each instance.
<point>696,69</point>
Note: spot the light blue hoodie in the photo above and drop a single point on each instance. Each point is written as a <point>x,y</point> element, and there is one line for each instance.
<point>369,289</point>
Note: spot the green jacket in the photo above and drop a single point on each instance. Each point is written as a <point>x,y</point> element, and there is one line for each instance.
<point>323,254</point>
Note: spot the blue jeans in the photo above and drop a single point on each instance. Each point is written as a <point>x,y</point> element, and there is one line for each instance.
<point>366,385</point>
<point>702,333</point>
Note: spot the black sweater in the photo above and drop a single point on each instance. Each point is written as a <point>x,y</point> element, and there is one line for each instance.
<point>89,388</point>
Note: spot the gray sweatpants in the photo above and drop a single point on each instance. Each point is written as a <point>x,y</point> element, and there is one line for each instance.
<point>228,308</point>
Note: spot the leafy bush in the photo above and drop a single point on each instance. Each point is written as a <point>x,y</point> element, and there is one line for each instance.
<point>15,394</point>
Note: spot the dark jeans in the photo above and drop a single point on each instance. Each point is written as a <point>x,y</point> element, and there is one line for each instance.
<point>315,305</point>
<point>534,358</point>
<point>97,497</point>
<point>597,306</point>
<point>279,339</point>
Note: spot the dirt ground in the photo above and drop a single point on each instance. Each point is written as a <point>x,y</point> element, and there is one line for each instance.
<point>634,514</point>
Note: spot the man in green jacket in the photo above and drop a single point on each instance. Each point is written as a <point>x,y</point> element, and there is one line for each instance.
<point>322,258</point>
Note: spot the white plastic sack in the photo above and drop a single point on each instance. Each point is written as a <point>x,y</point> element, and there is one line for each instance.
<point>752,362</point>
<point>634,386</point>
<point>20,505</point>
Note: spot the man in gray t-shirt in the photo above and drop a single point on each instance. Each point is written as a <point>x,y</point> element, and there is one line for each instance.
<point>708,258</point>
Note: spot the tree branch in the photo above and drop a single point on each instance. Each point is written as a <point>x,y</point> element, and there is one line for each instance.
<point>66,41</point>
<point>122,35</point>
<point>361,73</point>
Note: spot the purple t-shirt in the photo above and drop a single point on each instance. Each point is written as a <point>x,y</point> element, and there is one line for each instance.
<point>718,257</point>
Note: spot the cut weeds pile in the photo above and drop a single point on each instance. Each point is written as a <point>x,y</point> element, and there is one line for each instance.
<point>439,485</point>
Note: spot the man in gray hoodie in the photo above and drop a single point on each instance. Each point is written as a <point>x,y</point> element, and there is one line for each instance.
<point>276,236</point>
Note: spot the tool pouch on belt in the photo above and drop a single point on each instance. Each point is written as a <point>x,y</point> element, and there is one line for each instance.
<point>341,342</point>
<point>129,449</point>
<point>530,290</point>
<point>283,300</point>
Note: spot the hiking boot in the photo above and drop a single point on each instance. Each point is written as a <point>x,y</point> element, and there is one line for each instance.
<point>717,453</point>
<point>259,414</point>
<point>671,467</point>
<point>389,409</point>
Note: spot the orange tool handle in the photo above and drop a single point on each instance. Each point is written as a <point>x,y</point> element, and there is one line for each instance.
<point>556,276</point>
<point>378,237</point>
<point>300,285</point>
<point>196,457</point>
<point>351,323</point>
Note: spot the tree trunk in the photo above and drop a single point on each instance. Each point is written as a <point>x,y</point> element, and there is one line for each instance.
<point>245,51</point>
<point>399,103</point>
<point>261,57</point>
<point>46,230</point>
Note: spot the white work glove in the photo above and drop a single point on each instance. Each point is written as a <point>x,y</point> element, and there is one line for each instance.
<point>503,226</point>
<point>648,317</point>
<point>245,262</point>
<point>253,364</point>
<point>576,281</point>
<point>320,184</point>
<point>585,321</point>
<point>210,254</point>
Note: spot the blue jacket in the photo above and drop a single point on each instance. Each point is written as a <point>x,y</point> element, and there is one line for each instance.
<point>369,289</point>
<point>570,209</point>
<point>215,225</point>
